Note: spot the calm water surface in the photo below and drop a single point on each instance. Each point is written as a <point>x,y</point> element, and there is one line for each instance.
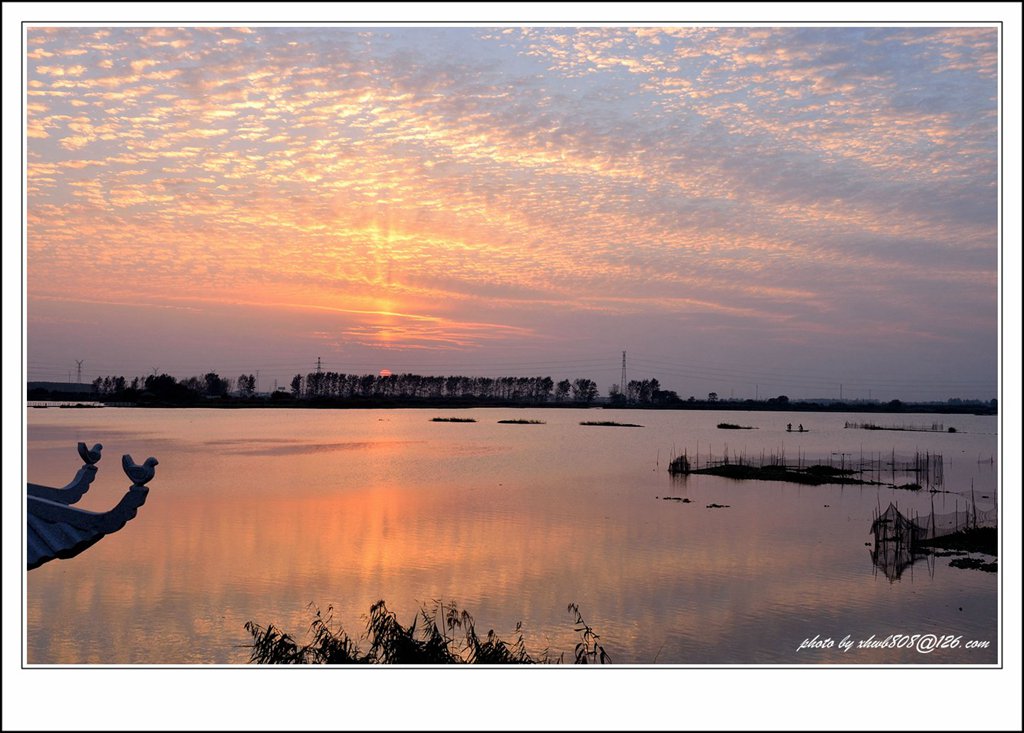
<point>254,514</point>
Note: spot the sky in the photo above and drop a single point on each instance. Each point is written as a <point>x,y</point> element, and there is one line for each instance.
<point>755,211</point>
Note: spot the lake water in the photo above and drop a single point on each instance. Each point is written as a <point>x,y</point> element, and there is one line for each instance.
<point>255,514</point>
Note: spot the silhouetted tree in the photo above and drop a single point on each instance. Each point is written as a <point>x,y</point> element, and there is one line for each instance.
<point>215,386</point>
<point>642,391</point>
<point>584,390</point>
<point>665,397</point>
<point>166,388</point>
<point>246,385</point>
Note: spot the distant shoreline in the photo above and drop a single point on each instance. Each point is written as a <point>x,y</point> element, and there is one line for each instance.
<point>234,403</point>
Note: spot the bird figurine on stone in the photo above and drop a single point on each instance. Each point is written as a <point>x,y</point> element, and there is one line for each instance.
<point>90,456</point>
<point>139,475</point>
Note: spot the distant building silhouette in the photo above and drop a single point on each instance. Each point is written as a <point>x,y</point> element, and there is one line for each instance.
<point>75,387</point>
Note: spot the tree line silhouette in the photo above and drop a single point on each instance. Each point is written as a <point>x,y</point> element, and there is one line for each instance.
<point>329,386</point>
<point>167,388</point>
<point>536,390</point>
<point>643,392</point>
<point>368,390</point>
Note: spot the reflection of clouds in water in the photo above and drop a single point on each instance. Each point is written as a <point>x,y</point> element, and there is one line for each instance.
<point>291,448</point>
<point>248,447</point>
<point>476,450</point>
<point>61,432</point>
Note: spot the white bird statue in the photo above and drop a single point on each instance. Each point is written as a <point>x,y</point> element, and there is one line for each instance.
<point>90,456</point>
<point>139,474</point>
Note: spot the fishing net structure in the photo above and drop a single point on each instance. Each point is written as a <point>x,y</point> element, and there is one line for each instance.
<point>893,526</point>
<point>899,538</point>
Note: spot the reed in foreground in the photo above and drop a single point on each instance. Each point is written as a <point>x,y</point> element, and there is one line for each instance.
<point>447,636</point>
